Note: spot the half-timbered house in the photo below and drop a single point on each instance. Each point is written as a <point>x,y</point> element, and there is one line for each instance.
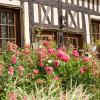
<point>60,20</point>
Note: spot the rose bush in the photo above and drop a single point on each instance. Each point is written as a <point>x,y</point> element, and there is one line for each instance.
<point>24,67</point>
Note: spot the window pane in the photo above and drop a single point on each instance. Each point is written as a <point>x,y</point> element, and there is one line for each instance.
<point>11,18</point>
<point>4,18</point>
<point>4,42</point>
<point>11,32</point>
<point>4,31</point>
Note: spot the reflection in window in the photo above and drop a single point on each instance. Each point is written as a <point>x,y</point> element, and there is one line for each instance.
<point>4,17</point>
<point>7,27</point>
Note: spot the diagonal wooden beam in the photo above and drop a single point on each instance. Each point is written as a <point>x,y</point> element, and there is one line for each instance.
<point>46,12</point>
<point>74,14</point>
<point>72,18</point>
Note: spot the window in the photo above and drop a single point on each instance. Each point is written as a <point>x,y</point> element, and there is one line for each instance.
<point>7,27</point>
<point>72,40</point>
<point>95,26</point>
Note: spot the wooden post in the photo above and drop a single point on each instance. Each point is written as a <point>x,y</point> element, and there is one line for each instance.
<point>31,17</point>
<point>60,33</point>
<point>22,23</point>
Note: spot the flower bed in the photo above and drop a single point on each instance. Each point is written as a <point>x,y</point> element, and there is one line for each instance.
<point>25,67</point>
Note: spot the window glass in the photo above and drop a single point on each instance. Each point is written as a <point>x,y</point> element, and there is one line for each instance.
<point>4,30</point>
<point>4,17</point>
<point>11,32</point>
<point>11,18</point>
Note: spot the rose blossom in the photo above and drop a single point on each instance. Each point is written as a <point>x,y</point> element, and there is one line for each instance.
<point>60,54</point>
<point>49,61</point>
<point>13,59</point>
<point>20,68</point>
<point>25,98</point>
<point>36,71</point>
<point>46,43</point>
<point>49,70</point>
<point>86,59</point>
<point>11,70</point>
<point>56,78</point>
<point>12,96</point>
<point>65,58</point>
<point>75,53</point>
<point>83,70</point>
<point>50,51</point>
<point>56,63</point>
<point>41,64</point>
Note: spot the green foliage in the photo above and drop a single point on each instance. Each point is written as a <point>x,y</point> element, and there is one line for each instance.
<point>20,69</point>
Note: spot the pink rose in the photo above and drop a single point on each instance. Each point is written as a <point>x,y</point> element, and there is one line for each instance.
<point>12,96</point>
<point>56,63</point>
<point>36,71</point>
<point>75,53</point>
<point>11,70</point>
<point>13,59</point>
<point>20,68</point>
<point>83,70</point>
<point>41,64</point>
<point>86,59</point>
<point>25,98</point>
<point>46,43</point>
<point>56,78</point>
<point>60,54</point>
<point>49,70</point>
<point>66,58</point>
<point>63,56</point>
<point>50,51</point>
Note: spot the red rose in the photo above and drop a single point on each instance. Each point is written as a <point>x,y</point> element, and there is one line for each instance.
<point>56,63</point>
<point>20,68</point>
<point>83,70</point>
<point>11,70</point>
<point>86,59</point>
<point>75,53</point>
<point>56,78</point>
<point>36,71</point>
<point>13,59</point>
<point>49,70</point>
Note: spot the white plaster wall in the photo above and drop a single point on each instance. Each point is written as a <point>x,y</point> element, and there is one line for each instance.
<point>69,1</point>
<point>87,28</point>
<point>80,20</point>
<point>26,24</point>
<point>13,2</point>
<point>91,4</point>
<point>86,3</point>
<point>80,2</point>
<point>95,5</point>
<point>63,0</point>
<point>36,14</point>
<point>55,16</point>
<point>75,2</point>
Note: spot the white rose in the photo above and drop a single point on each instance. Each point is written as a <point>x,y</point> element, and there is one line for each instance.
<point>49,61</point>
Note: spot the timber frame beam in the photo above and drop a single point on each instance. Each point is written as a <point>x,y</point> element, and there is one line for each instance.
<point>66,6</point>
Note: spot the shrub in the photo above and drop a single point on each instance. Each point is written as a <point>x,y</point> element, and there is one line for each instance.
<point>23,67</point>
